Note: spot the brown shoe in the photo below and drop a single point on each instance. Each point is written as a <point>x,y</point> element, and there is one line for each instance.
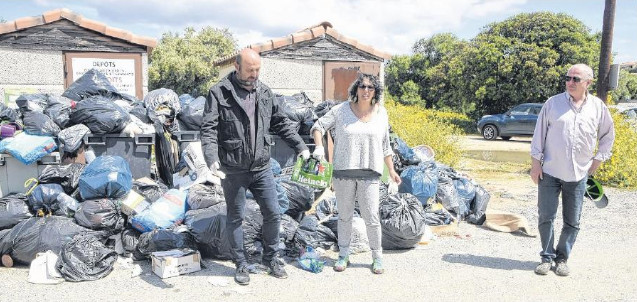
<point>7,260</point>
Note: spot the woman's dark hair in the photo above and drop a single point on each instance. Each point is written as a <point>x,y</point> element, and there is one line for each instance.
<point>378,89</point>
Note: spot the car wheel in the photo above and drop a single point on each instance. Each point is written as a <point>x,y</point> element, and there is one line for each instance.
<point>506,138</point>
<point>490,132</point>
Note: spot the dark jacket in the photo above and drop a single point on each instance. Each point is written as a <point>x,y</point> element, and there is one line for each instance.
<point>225,130</point>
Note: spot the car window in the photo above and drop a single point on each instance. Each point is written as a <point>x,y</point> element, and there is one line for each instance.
<point>520,110</point>
<point>536,110</point>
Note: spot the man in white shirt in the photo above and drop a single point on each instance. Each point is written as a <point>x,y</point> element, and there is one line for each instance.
<point>569,128</point>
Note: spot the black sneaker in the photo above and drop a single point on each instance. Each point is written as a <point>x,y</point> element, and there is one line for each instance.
<point>276,269</point>
<point>241,275</point>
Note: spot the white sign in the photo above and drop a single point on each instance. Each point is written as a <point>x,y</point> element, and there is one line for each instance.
<point>120,72</point>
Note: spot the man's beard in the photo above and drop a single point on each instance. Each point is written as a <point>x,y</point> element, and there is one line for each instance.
<point>246,82</point>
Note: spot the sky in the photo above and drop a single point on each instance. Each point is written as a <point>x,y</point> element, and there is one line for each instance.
<point>392,26</point>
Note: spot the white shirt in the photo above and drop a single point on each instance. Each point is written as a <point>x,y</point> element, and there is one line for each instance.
<point>566,137</point>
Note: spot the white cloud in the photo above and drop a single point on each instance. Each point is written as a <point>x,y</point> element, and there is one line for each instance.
<point>391,26</point>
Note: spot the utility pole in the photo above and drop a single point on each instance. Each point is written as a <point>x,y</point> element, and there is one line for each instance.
<point>606,49</point>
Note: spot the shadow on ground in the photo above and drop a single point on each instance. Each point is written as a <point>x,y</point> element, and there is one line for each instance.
<point>490,262</point>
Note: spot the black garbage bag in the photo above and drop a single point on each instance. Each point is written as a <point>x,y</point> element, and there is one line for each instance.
<point>100,214</point>
<point>106,177</point>
<point>101,115</point>
<point>50,198</point>
<point>38,235</point>
<point>479,206</point>
<point>140,111</point>
<point>163,98</point>
<point>159,240</point>
<point>252,235</point>
<point>208,226</point>
<point>59,110</point>
<point>407,156</point>
<point>164,154</point>
<point>204,195</point>
<point>85,258</point>
<point>437,216</point>
<point>447,194</point>
<point>72,138</point>
<point>421,181</point>
<point>8,114</point>
<point>191,114</point>
<point>151,192</point>
<point>289,226</point>
<point>130,239</point>
<point>38,123</point>
<point>301,198</point>
<point>311,233</point>
<point>68,176</point>
<point>402,219</point>
<point>322,108</point>
<point>327,213</point>
<point>13,209</point>
<point>298,108</point>
<point>466,193</point>
<point>92,83</point>
<point>36,102</point>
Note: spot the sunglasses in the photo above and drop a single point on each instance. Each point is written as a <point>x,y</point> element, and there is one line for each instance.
<point>364,87</point>
<point>575,79</point>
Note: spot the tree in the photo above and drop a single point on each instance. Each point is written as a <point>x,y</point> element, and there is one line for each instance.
<point>423,77</point>
<point>184,64</point>
<point>522,59</point>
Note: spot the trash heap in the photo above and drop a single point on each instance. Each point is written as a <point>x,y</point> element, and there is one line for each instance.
<point>76,217</point>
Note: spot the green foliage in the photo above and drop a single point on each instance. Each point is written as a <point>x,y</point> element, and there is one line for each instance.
<point>184,64</point>
<point>621,169</point>
<point>515,61</point>
<point>428,69</point>
<point>418,126</point>
<point>627,86</point>
<point>521,59</point>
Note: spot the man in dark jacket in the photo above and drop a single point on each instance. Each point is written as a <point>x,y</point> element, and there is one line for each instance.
<point>239,112</point>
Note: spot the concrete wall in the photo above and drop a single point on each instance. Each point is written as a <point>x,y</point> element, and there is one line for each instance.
<point>30,71</point>
<point>288,77</point>
<point>38,71</point>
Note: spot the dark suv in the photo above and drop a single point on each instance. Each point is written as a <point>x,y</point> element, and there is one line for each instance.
<point>519,121</point>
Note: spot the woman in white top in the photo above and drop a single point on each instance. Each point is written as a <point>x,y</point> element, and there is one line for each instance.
<point>361,149</point>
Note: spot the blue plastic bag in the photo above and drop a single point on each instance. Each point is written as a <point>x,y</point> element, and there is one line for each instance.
<point>310,261</point>
<point>163,213</point>
<point>106,177</point>
<point>421,181</point>
<point>28,148</point>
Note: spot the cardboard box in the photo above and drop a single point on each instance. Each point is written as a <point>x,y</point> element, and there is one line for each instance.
<point>134,203</point>
<point>175,262</point>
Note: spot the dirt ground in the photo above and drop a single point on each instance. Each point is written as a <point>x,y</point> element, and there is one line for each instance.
<point>470,263</point>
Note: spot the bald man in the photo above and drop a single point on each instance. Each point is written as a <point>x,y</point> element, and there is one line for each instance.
<point>239,115</point>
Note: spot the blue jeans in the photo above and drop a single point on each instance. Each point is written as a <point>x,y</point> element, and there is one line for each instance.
<point>262,186</point>
<point>549,189</point>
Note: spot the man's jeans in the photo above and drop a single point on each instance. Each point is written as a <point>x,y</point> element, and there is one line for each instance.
<point>262,186</point>
<point>572,197</point>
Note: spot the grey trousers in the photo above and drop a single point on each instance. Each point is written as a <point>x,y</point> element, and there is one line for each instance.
<point>347,192</point>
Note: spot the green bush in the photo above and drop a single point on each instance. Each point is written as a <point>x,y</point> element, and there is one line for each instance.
<point>621,169</point>
<point>417,126</point>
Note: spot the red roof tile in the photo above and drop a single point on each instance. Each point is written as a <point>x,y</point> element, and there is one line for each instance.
<point>63,13</point>
<point>313,32</point>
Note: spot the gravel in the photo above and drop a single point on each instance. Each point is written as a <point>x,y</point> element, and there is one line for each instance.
<point>476,264</point>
